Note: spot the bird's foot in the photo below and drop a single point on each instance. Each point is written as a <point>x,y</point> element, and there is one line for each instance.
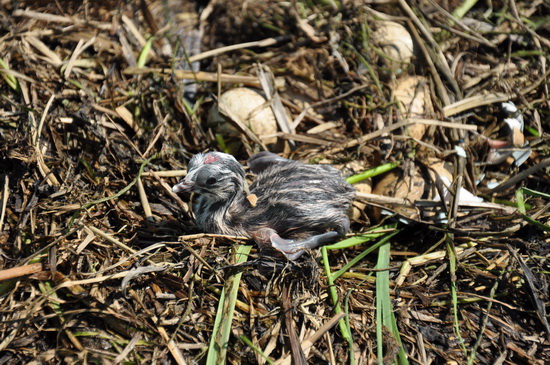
<point>294,249</point>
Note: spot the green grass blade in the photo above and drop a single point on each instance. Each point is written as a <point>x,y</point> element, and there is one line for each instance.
<point>461,10</point>
<point>504,201</point>
<point>356,240</point>
<point>522,206</point>
<point>485,320</point>
<point>372,73</point>
<point>534,193</point>
<point>247,341</point>
<point>221,143</point>
<point>372,172</point>
<point>401,355</point>
<point>454,296</point>
<point>344,324</point>
<point>536,223</point>
<point>142,59</point>
<point>345,329</point>
<point>383,304</point>
<point>359,257</point>
<point>521,201</point>
<point>217,351</point>
<point>385,317</point>
<point>8,76</point>
<point>532,131</point>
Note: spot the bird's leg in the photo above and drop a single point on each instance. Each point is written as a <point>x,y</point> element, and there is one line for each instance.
<point>294,249</point>
<point>262,160</point>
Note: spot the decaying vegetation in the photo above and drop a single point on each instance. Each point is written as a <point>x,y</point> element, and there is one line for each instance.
<point>102,103</point>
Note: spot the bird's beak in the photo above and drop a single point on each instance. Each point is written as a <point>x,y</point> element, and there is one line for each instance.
<point>183,185</point>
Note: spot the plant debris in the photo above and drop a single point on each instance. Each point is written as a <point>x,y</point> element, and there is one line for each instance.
<point>103,103</point>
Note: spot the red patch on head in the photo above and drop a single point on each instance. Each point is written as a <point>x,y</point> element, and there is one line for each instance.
<point>209,158</point>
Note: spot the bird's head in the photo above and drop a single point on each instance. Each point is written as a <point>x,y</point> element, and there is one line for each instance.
<point>215,175</point>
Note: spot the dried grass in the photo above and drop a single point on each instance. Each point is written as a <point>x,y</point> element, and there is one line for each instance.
<point>101,262</point>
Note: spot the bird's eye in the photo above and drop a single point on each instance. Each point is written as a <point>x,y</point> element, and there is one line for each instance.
<point>206,178</point>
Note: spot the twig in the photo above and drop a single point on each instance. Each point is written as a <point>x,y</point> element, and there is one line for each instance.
<point>98,279</point>
<point>171,173</point>
<point>19,271</point>
<point>114,196</point>
<point>442,91</point>
<point>129,347</point>
<point>238,123</point>
<point>202,76</point>
<point>50,55</point>
<point>303,138</point>
<point>471,34</point>
<point>310,341</point>
<point>457,186</point>
<point>44,169</point>
<point>438,57</point>
<point>126,116</point>
<point>485,319</point>
<point>474,102</point>
<point>423,259</point>
<point>77,51</point>
<point>537,301</point>
<point>122,261</point>
<point>157,136</point>
<point>172,346</point>
<point>59,19</point>
<point>135,32</point>
<point>5,195</point>
<point>140,270</point>
<point>262,43</point>
<point>535,83</point>
<point>382,199</point>
<point>267,80</point>
<point>38,130</point>
<point>116,242</point>
<point>404,123</point>
<point>521,176</point>
<point>514,11</point>
<point>144,201</point>
<point>298,356</point>
<point>336,98</point>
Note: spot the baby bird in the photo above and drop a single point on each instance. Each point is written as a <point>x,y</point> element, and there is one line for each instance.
<point>298,206</point>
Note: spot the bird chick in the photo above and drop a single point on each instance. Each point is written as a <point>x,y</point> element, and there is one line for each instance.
<point>298,206</point>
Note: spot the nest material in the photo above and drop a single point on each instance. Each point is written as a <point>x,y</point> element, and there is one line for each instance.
<point>88,143</point>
